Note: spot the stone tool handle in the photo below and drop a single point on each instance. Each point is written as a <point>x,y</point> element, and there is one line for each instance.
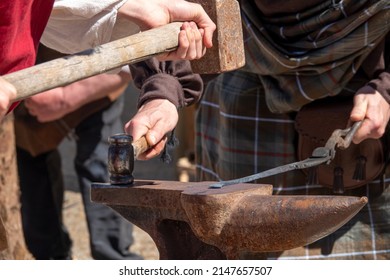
<point>101,59</point>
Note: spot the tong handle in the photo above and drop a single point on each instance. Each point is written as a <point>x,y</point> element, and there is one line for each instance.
<point>349,133</point>
<point>341,138</point>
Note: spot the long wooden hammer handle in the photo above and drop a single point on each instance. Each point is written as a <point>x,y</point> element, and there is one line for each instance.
<point>101,59</point>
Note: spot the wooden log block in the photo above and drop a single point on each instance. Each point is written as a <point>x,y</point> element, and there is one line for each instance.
<point>9,196</point>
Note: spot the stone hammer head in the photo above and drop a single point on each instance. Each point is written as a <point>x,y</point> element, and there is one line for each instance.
<point>227,52</point>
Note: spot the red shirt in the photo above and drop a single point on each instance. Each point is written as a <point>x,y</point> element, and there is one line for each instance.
<point>21,26</point>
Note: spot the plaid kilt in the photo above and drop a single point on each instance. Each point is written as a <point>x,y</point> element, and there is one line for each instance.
<point>293,59</point>
<point>235,140</point>
<point>302,57</point>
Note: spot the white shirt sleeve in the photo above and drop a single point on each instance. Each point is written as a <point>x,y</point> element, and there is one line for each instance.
<point>77,25</point>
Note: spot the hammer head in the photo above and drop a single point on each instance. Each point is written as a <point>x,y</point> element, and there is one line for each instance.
<point>227,52</point>
<point>121,159</point>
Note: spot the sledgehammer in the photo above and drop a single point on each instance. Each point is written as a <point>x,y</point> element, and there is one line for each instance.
<point>226,54</point>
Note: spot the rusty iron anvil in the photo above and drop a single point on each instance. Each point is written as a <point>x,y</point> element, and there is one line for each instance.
<point>192,221</point>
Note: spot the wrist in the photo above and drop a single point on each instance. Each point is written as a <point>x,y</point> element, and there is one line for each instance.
<point>133,10</point>
<point>144,15</point>
<point>72,98</point>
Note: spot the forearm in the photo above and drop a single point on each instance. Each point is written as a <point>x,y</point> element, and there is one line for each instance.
<point>138,12</point>
<point>85,91</point>
<point>58,102</point>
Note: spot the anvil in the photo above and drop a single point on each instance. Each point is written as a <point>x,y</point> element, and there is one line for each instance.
<point>193,221</point>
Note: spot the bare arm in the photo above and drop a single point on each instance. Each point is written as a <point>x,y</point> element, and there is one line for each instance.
<point>56,103</point>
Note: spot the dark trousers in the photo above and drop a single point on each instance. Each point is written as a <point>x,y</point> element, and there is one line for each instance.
<point>42,190</point>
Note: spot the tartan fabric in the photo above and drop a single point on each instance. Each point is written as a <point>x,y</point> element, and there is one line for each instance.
<point>233,141</point>
<point>239,134</point>
<point>241,140</point>
<point>313,53</point>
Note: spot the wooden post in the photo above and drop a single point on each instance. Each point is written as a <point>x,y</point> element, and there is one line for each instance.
<point>9,195</point>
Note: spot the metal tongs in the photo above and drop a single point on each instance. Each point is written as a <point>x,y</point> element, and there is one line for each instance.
<point>340,138</point>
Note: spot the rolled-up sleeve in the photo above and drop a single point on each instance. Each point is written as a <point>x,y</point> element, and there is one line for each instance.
<point>382,85</point>
<point>171,80</point>
<point>76,25</point>
<point>381,73</point>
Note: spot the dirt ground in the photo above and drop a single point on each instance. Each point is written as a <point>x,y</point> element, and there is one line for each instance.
<point>74,220</point>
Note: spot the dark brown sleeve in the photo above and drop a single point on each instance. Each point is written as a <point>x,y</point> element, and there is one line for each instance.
<point>382,85</point>
<point>172,80</point>
<point>381,81</point>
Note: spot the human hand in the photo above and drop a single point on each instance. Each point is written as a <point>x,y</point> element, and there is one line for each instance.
<point>370,106</point>
<point>190,44</point>
<point>155,13</point>
<point>49,105</point>
<point>7,93</point>
<point>154,119</point>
